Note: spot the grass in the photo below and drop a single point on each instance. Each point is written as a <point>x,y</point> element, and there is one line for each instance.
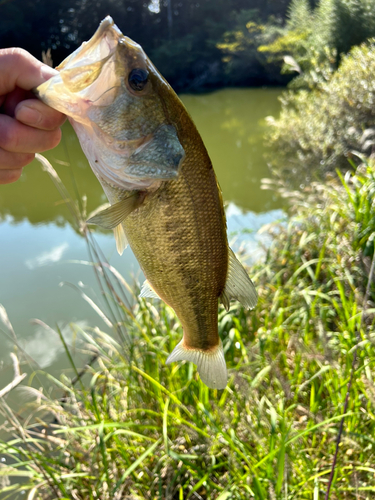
<point>134,428</point>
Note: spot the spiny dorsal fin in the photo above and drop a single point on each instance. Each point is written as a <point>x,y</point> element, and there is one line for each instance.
<point>148,291</point>
<point>210,364</point>
<point>115,214</point>
<point>121,241</point>
<point>238,286</point>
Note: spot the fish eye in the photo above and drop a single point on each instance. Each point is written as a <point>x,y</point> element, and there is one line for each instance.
<point>138,78</point>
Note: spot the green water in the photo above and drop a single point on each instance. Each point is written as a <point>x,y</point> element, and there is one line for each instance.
<point>38,242</point>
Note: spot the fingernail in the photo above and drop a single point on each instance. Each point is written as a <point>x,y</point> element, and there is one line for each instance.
<point>27,115</point>
<point>47,72</point>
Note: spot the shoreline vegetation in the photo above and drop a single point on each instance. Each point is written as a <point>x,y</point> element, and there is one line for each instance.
<point>133,427</point>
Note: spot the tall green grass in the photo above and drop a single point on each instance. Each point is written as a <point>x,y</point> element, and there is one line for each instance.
<point>136,428</point>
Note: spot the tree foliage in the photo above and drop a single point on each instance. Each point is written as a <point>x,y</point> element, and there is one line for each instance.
<point>243,63</point>
<point>313,40</point>
<point>180,37</point>
<point>320,129</point>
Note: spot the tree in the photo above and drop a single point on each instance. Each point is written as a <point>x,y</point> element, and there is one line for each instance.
<point>313,40</point>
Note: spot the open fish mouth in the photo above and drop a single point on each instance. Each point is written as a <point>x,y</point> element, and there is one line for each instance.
<point>99,47</point>
<point>109,90</point>
<point>86,76</point>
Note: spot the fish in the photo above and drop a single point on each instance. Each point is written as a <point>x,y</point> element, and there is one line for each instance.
<point>165,201</point>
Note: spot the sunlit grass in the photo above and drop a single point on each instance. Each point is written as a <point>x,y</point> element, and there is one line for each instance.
<point>137,427</point>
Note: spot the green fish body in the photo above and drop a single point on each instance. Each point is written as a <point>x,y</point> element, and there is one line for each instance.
<point>165,200</point>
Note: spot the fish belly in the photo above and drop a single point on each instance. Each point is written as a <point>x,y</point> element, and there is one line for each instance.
<point>179,238</point>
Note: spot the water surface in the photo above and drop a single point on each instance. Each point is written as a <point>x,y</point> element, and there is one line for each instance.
<point>38,241</point>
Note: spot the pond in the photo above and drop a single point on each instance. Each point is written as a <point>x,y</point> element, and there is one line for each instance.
<point>40,249</point>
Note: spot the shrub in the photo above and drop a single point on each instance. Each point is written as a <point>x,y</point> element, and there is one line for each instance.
<point>318,130</point>
<point>243,62</point>
<point>313,41</point>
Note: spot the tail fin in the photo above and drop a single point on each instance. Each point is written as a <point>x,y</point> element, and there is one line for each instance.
<point>210,364</point>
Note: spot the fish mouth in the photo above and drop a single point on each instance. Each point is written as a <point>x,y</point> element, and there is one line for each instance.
<point>99,47</point>
<point>89,71</point>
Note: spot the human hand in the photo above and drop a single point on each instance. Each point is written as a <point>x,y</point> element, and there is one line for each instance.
<point>27,126</point>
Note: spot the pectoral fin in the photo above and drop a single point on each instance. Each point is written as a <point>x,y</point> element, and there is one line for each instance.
<point>115,214</point>
<point>121,241</point>
<point>238,286</point>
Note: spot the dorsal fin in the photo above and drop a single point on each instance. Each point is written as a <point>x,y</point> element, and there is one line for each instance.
<point>238,285</point>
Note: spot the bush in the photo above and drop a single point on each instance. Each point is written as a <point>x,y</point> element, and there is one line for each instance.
<point>313,41</point>
<point>317,131</point>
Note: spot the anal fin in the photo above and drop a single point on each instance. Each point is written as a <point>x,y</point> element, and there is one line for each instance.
<point>238,285</point>
<point>121,241</point>
<point>148,291</point>
<point>115,214</point>
<point>211,364</point>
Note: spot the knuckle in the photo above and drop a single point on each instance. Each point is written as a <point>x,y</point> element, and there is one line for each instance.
<point>9,139</point>
<point>17,54</point>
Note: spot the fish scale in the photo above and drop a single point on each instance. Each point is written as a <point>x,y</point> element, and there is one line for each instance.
<point>190,245</point>
<point>165,200</point>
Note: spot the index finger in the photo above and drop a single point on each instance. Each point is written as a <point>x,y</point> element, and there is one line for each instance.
<point>21,69</point>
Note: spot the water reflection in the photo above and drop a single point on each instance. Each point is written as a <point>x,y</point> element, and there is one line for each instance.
<point>230,122</point>
<point>35,260</point>
<point>45,346</point>
<point>53,255</point>
<point>35,198</point>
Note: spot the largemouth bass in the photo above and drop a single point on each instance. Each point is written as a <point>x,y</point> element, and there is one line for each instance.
<point>165,201</point>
